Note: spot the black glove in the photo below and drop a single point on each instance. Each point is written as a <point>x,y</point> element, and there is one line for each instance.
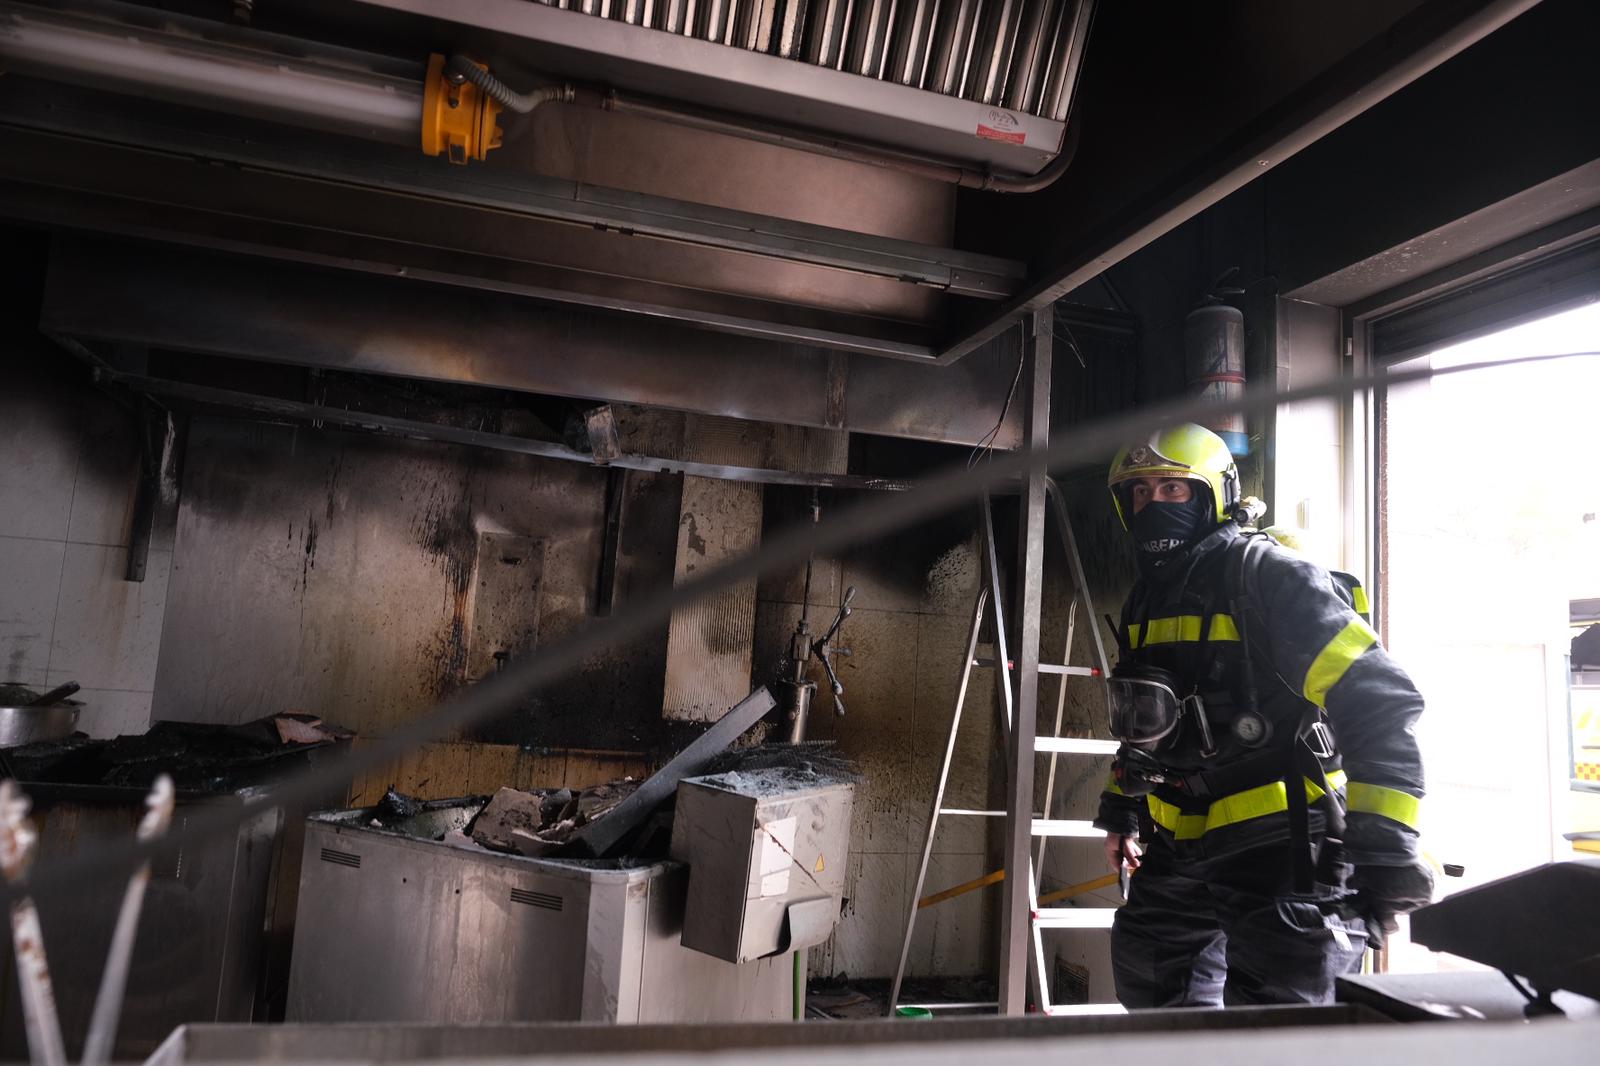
<point>1381,892</point>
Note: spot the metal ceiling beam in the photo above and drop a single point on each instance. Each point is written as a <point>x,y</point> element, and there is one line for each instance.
<point>1415,45</point>
<point>42,204</point>
<point>531,196</point>
<point>276,409</point>
<point>259,309</point>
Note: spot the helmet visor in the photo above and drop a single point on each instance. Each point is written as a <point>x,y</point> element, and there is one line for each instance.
<point>1142,711</point>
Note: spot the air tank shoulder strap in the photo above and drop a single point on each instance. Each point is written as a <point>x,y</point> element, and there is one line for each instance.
<point>1244,566</point>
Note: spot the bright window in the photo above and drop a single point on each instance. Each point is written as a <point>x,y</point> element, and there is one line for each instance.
<point>1488,477</point>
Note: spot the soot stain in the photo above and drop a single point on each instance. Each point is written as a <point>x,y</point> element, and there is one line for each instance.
<point>337,468</point>
<point>308,545</point>
<point>694,541</point>
<point>445,530</point>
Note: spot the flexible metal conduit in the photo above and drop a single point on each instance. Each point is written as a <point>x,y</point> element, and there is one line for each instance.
<point>460,69</point>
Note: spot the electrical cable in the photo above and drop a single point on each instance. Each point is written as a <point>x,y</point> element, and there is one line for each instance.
<point>986,442</point>
<point>98,857</point>
<point>1072,343</point>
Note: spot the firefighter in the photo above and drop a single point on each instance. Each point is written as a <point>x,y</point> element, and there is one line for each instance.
<point>1267,784</point>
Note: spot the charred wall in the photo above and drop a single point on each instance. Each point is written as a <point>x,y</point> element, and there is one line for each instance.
<point>365,579</point>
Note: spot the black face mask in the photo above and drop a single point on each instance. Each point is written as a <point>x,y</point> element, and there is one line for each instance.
<point>1163,533</point>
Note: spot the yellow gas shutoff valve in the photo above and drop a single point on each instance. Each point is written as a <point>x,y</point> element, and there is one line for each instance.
<point>459,120</point>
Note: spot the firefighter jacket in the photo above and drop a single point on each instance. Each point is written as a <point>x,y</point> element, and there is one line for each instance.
<point>1317,669</point>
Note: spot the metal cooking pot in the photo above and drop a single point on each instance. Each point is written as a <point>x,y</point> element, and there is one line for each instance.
<point>25,725</point>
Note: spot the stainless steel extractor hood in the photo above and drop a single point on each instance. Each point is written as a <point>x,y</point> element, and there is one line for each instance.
<point>986,82</point>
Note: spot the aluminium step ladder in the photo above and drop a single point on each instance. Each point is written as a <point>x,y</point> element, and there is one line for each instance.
<point>990,605</point>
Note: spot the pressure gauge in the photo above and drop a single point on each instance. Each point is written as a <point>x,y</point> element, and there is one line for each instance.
<point>1251,729</point>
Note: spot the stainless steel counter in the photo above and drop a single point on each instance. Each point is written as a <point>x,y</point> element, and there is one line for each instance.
<point>204,936</point>
<point>1255,1036</point>
<point>399,928</point>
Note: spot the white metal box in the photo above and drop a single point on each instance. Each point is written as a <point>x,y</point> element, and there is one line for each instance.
<point>766,851</point>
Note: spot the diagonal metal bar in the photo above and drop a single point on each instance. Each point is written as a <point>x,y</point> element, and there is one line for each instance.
<point>599,837</point>
<point>1079,577</point>
<point>1417,44</point>
<point>1002,657</point>
<point>100,857</point>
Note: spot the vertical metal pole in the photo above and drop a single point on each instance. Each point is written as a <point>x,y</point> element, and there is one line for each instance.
<point>1016,916</point>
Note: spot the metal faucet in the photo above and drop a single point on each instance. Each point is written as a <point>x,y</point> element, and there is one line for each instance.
<point>824,651</point>
<point>795,689</point>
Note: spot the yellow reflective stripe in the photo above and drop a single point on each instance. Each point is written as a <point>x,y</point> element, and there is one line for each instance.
<point>1359,596</point>
<point>1222,627</point>
<point>1112,786</point>
<point>1170,818</point>
<point>1335,658</point>
<point>1252,803</point>
<point>1390,803</point>
<point>1182,628</point>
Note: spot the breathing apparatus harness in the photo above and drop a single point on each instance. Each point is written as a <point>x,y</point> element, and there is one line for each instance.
<point>1148,715</point>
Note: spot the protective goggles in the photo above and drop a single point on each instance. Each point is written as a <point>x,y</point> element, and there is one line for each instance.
<point>1145,707</point>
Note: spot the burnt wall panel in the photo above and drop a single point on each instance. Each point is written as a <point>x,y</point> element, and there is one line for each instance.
<point>340,574</point>
<point>708,644</point>
<point>505,611</point>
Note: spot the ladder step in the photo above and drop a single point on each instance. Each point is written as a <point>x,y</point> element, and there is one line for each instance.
<point>1074,746</point>
<point>1042,827</point>
<point>1070,671</point>
<point>1065,827</point>
<point>989,1005</point>
<point>1059,1010</point>
<point>1074,917</point>
<point>1046,668</point>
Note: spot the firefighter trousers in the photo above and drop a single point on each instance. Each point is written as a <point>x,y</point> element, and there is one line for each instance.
<point>1230,932</point>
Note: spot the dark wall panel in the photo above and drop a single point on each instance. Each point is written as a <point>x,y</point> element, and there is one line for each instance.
<point>1516,109</point>
<point>343,575</point>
